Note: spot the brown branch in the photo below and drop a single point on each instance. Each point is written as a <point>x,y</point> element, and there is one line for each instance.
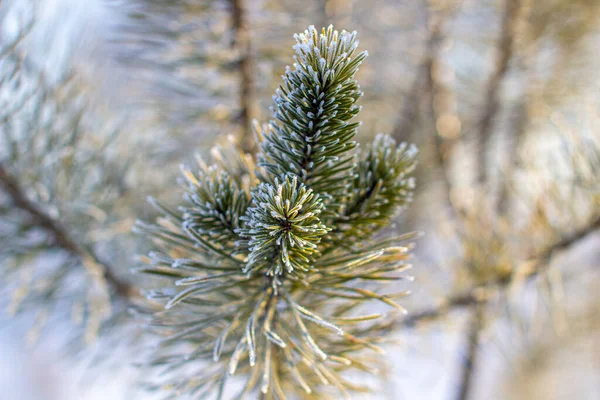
<point>569,241</point>
<point>467,375</point>
<point>525,57</point>
<point>491,103</point>
<point>59,234</point>
<point>479,294</point>
<point>321,14</point>
<point>426,86</point>
<point>456,302</point>
<point>240,26</point>
<point>519,126</point>
<point>434,90</point>
<point>403,129</point>
<point>405,126</point>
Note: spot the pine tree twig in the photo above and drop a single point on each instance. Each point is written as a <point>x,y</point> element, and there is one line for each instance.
<point>518,129</point>
<point>281,303</point>
<point>239,21</point>
<point>443,147</point>
<point>323,17</point>
<point>432,88</point>
<point>60,235</point>
<point>403,129</point>
<point>491,102</point>
<point>463,300</point>
<point>521,113</point>
<point>476,295</point>
<point>469,365</point>
<point>567,242</point>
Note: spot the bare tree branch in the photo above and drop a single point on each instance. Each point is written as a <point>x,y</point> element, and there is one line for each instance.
<point>422,83</point>
<point>476,325</point>
<point>60,236</point>
<point>435,89</point>
<point>426,86</point>
<point>239,22</point>
<point>491,103</point>
<point>479,294</point>
<point>518,128</point>
<point>469,364</point>
<point>405,125</point>
<point>525,57</point>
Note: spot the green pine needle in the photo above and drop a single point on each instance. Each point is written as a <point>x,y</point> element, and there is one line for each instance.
<point>272,267</point>
<point>283,228</point>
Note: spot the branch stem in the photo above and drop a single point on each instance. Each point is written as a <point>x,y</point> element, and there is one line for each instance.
<point>60,235</point>
<point>467,373</point>
<point>239,22</point>
<point>477,294</point>
<point>492,96</point>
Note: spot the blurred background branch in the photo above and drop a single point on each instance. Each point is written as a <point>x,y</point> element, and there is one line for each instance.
<point>60,236</point>
<point>479,295</point>
<point>491,104</point>
<point>246,92</point>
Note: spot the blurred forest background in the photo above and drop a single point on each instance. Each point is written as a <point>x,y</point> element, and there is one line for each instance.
<point>102,100</point>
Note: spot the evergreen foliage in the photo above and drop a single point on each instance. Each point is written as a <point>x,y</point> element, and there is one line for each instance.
<point>313,138</point>
<point>187,51</point>
<point>283,228</point>
<point>277,271</point>
<point>276,261</point>
<point>61,183</point>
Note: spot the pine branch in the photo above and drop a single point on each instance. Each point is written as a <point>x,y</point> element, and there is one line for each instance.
<point>314,108</point>
<point>177,48</point>
<point>240,24</point>
<point>522,111</point>
<point>218,204</point>
<point>283,228</point>
<point>422,82</point>
<point>491,102</point>
<point>434,90</point>
<point>269,266</point>
<point>380,188</point>
<point>466,380</point>
<point>62,184</point>
<point>478,294</point>
<point>426,85</point>
<point>60,236</point>
<point>569,241</point>
<point>518,129</point>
